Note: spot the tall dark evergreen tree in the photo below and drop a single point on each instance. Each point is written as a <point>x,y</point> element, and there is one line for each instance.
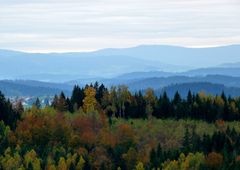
<point>159,153</point>
<point>153,159</point>
<point>177,98</point>
<point>163,109</point>
<point>100,90</point>
<point>37,103</point>
<point>7,114</point>
<point>77,97</point>
<point>186,141</point>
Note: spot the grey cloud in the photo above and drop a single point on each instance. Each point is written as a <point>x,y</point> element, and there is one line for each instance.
<point>136,21</point>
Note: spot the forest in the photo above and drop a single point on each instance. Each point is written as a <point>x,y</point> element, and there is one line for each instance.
<point>111,128</point>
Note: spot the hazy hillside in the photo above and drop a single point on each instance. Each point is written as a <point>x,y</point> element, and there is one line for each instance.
<point>195,57</point>
<point>61,67</point>
<point>154,79</point>
<point>141,75</point>
<point>234,65</point>
<point>31,88</point>
<point>34,83</point>
<point>159,82</point>
<point>228,71</point>
<point>134,81</point>
<point>69,66</point>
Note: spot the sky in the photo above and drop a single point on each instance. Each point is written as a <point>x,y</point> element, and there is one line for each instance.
<point>86,25</point>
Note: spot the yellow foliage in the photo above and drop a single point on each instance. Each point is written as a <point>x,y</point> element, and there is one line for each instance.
<point>89,102</point>
<point>31,157</point>
<point>130,158</point>
<point>9,161</point>
<point>189,162</point>
<point>140,166</point>
<point>80,164</point>
<point>62,164</point>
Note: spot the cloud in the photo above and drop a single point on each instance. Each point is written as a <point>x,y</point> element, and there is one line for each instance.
<point>52,25</point>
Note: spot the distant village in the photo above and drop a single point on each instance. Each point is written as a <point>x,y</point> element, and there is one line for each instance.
<point>28,101</point>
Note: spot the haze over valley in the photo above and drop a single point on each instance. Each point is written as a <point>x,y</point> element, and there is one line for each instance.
<point>149,66</point>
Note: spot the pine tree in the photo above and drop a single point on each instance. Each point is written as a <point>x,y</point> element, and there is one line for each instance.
<point>177,98</point>
<point>186,141</point>
<point>189,98</point>
<point>153,159</point>
<point>77,97</point>
<point>37,103</point>
<point>164,106</point>
<point>7,114</point>
<point>69,105</point>
<point>159,155</point>
<point>60,103</point>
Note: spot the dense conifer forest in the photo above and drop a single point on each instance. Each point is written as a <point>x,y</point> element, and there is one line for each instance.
<point>113,129</point>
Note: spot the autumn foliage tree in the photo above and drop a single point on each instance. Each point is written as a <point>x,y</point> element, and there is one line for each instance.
<point>89,101</point>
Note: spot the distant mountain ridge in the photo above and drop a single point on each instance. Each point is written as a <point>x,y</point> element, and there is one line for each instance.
<point>154,66</point>
<point>108,63</point>
<point>141,75</point>
<point>22,88</point>
<point>65,67</point>
<point>172,83</point>
<point>231,65</point>
<point>226,71</point>
<point>155,80</point>
<point>198,57</point>
<point>160,82</point>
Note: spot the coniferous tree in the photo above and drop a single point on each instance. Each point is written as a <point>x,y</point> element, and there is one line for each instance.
<point>163,107</point>
<point>153,159</point>
<point>186,141</point>
<point>177,104</point>
<point>69,105</point>
<point>77,97</point>
<point>100,90</point>
<point>159,155</point>
<point>177,98</point>
<point>7,114</point>
<point>37,103</point>
<point>60,103</point>
<point>140,106</point>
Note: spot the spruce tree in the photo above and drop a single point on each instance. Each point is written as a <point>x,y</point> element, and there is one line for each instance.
<point>186,141</point>
<point>37,103</point>
<point>153,159</point>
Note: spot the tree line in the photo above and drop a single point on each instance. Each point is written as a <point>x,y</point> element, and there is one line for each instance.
<point>120,102</point>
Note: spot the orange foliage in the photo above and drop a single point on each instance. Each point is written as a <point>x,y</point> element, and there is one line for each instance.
<point>88,138</point>
<point>214,160</point>
<point>107,138</point>
<point>98,156</point>
<point>125,134</point>
<point>238,158</point>
<point>42,130</point>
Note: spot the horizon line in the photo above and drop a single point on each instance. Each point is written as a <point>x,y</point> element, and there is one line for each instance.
<point>112,48</point>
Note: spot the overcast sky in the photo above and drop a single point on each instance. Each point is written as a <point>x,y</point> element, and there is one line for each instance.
<point>83,25</point>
